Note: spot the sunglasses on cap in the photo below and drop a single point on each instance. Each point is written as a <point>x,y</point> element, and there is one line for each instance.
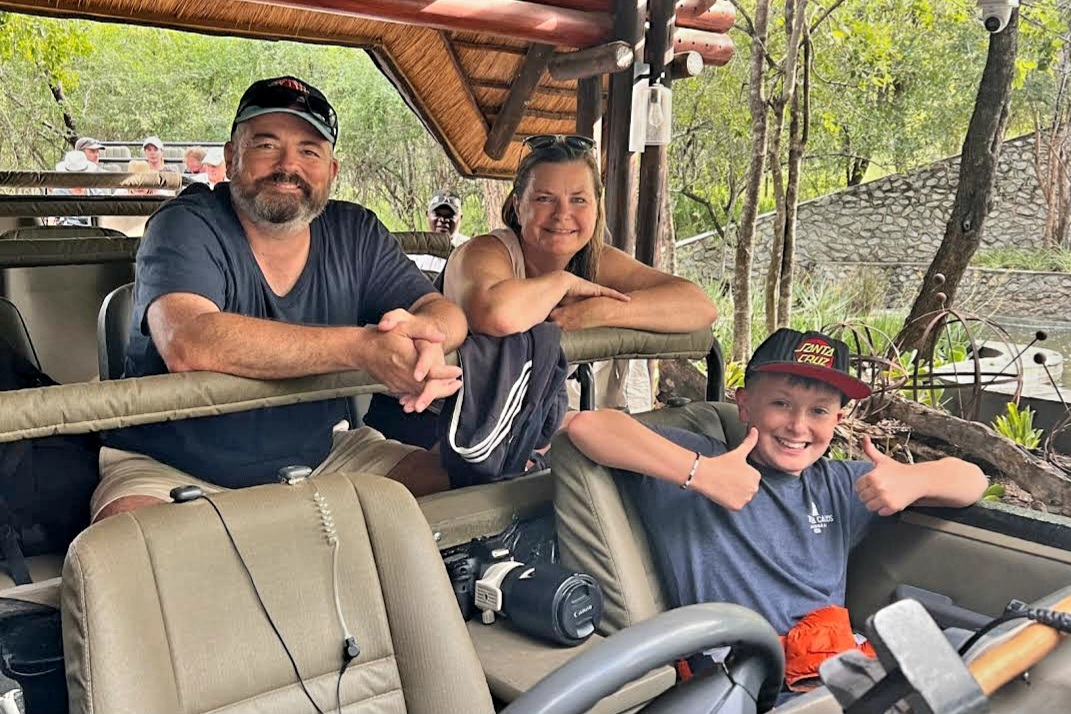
<point>289,94</point>
<point>572,142</point>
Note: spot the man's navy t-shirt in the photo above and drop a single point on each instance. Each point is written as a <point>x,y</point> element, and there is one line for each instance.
<point>355,272</point>
<point>783,555</point>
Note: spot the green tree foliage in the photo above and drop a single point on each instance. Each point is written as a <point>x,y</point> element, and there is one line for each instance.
<point>126,82</point>
<point>35,72</point>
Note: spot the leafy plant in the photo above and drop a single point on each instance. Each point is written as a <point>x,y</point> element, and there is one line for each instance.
<point>1044,259</point>
<point>994,493</point>
<point>734,374</point>
<point>839,453</point>
<point>1018,425</point>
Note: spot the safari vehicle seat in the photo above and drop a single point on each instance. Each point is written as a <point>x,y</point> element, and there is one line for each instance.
<point>113,328</point>
<point>52,232</point>
<point>186,608</point>
<point>599,530</point>
<point>159,613</point>
<point>13,331</point>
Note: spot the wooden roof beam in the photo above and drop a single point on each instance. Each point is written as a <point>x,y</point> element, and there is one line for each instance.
<point>498,84</point>
<point>715,48</point>
<point>520,93</point>
<point>592,62</point>
<point>528,21</point>
<point>709,15</point>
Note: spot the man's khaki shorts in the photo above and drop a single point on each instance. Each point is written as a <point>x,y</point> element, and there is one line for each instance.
<point>124,473</point>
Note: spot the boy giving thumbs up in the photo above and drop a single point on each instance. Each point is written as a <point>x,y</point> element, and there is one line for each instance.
<point>769,524</point>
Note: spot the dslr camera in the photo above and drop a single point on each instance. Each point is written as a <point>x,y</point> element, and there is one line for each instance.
<point>543,600</point>
<point>996,14</point>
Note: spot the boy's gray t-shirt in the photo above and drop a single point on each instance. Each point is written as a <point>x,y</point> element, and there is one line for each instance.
<point>355,272</point>
<point>783,555</point>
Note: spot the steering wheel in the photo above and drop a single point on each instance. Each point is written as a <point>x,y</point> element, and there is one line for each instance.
<point>626,655</point>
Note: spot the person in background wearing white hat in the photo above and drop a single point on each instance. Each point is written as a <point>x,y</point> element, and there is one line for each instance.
<point>215,167</point>
<point>75,162</point>
<point>444,216</point>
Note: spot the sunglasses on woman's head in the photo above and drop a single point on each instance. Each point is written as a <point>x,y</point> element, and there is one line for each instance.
<point>574,142</point>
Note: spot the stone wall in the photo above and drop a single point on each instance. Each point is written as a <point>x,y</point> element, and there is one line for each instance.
<point>986,291</point>
<point>897,219</point>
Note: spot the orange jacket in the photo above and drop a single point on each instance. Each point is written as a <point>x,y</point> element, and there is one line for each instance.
<point>821,634</point>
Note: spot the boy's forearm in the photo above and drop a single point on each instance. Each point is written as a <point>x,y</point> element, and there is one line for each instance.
<point>950,482</point>
<point>618,441</point>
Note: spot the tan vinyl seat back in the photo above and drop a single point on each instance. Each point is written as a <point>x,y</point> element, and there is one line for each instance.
<point>599,530</point>
<point>159,615</point>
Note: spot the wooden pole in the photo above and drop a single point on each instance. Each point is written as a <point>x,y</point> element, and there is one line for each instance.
<point>520,93</point>
<point>604,59</point>
<point>589,107</point>
<point>717,16</point>
<point>651,218</point>
<point>716,48</point>
<point>685,65</point>
<point>620,162</point>
<point>530,21</point>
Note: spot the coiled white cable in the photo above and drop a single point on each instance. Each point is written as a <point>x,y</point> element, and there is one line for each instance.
<point>331,534</point>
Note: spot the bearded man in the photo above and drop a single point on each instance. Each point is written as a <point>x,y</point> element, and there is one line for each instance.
<point>264,276</point>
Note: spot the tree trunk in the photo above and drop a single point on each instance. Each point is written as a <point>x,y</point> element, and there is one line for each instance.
<point>977,179</point>
<point>68,121</point>
<point>796,29</point>
<point>746,234</point>
<point>773,272</point>
<point>799,121</point>
<point>494,194</point>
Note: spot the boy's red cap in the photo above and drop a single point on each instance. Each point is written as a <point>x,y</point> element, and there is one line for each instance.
<point>808,354</point>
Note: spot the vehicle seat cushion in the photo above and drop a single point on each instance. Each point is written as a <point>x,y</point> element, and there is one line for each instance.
<point>159,615</point>
<point>599,530</point>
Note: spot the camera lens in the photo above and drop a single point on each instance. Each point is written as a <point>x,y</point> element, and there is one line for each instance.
<point>552,603</point>
<point>992,24</point>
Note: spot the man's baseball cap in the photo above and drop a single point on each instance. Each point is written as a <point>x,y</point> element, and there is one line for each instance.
<point>808,354</point>
<point>87,142</point>
<point>153,141</point>
<point>445,198</point>
<point>289,95</point>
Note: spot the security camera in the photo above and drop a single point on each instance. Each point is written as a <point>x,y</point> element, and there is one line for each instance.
<point>996,13</point>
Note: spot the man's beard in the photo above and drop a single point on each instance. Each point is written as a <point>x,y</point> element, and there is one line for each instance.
<point>279,212</point>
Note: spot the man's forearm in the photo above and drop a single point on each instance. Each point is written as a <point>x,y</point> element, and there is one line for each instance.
<point>263,349</point>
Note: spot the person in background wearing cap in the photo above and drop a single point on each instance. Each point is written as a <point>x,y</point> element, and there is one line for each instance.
<point>265,277</point>
<point>215,167</point>
<point>153,151</point>
<point>769,524</point>
<point>444,216</point>
<point>91,148</point>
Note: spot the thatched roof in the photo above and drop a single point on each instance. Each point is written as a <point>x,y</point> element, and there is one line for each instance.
<point>455,81</point>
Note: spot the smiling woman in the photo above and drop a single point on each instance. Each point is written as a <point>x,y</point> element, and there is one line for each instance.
<point>551,262</point>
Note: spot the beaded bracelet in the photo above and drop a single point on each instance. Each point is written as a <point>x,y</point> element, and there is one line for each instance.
<point>691,474</point>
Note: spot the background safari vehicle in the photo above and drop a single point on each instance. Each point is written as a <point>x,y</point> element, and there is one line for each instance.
<point>250,601</point>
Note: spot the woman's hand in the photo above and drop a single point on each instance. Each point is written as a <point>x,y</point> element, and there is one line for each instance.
<point>579,289</point>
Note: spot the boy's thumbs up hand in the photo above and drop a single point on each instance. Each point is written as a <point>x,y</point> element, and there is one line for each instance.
<point>890,487</point>
<point>729,480</point>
